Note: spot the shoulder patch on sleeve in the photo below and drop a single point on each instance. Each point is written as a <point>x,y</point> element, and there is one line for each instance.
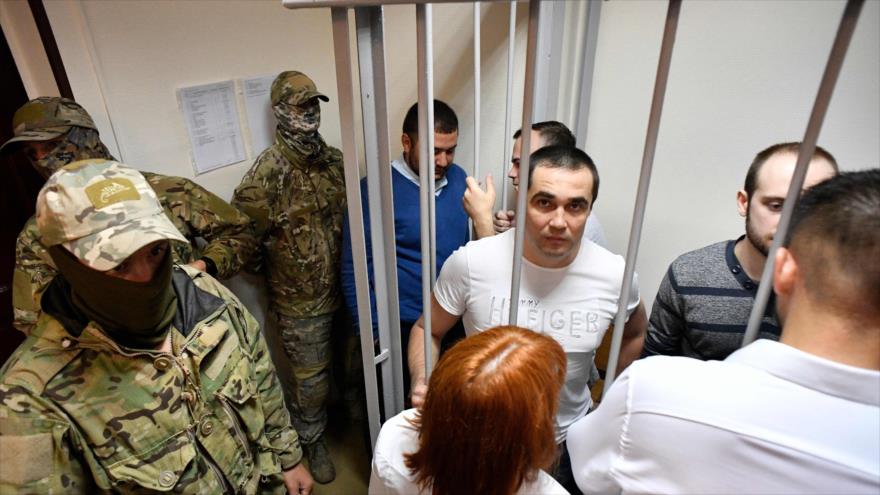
<point>29,458</point>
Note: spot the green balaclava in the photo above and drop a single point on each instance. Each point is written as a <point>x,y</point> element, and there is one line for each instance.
<point>294,98</point>
<point>136,315</point>
<point>298,126</point>
<point>79,143</point>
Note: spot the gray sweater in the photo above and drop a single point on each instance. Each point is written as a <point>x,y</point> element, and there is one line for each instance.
<point>703,304</point>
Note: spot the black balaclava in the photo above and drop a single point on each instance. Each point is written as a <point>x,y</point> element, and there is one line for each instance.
<point>137,315</point>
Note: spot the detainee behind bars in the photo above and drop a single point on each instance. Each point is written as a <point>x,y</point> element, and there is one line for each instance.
<point>569,290</point>
<point>451,220</point>
<point>479,202</point>
<point>801,415</point>
<point>704,302</point>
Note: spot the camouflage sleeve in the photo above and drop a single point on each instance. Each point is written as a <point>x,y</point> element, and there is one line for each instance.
<point>34,270</point>
<point>255,197</point>
<point>39,450</point>
<point>228,232</point>
<point>283,441</point>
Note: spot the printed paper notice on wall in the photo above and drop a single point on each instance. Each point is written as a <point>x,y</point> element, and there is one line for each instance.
<point>211,117</point>
<point>260,117</point>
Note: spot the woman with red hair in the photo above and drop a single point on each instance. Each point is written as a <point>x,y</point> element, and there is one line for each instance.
<point>487,424</point>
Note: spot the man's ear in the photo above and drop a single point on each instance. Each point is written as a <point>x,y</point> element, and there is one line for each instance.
<point>785,272</point>
<point>406,142</point>
<point>742,202</point>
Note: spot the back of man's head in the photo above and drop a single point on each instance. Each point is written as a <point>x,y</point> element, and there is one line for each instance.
<point>565,157</point>
<point>552,133</point>
<point>835,237</point>
<point>791,148</point>
<point>445,120</point>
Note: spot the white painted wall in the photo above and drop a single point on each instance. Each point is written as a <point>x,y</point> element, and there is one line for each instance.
<point>744,76</point>
<point>27,49</point>
<point>125,60</point>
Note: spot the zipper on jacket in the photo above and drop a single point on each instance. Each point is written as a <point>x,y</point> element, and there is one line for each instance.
<point>238,431</point>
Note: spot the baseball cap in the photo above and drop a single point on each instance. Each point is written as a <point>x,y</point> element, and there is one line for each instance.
<point>295,87</point>
<point>101,211</point>
<point>47,117</point>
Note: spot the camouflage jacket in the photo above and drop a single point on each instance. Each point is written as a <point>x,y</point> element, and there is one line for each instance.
<point>81,414</point>
<point>297,207</point>
<point>195,211</point>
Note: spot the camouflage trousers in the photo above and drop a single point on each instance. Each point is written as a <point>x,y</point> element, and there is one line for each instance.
<point>306,342</point>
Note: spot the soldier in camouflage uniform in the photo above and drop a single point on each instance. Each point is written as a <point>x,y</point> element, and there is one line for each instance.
<point>140,375</point>
<point>56,131</point>
<point>295,193</point>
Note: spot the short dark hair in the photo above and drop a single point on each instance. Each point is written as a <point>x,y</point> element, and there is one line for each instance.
<point>765,154</point>
<point>445,120</point>
<point>835,237</point>
<point>567,157</point>
<point>552,132</point>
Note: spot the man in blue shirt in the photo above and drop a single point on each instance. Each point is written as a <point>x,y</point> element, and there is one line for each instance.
<point>451,219</point>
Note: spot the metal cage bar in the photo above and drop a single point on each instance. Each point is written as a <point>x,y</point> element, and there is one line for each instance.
<point>309,4</point>
<point>805,153</point>
<point>635,234</point>
<point>588,64</point>
<point>528,111</point>
<point>371,57</point>
<point>511,45</point>
<point>424,43</point>
<point>345,87</point>
<point>477,90</point>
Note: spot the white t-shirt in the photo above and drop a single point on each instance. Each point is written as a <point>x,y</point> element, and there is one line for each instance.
<point>768,419</point>
<point>390,475</point>
<point>575,304</point>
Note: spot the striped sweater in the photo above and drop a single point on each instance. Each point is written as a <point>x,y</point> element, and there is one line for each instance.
<point>703,305</point>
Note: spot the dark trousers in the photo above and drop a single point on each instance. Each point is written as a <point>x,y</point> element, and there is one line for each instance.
<point>563,473</point>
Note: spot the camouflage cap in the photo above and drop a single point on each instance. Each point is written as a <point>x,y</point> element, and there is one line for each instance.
<point>295,88</point>
<point>101,211</point>
<point>47,117</point>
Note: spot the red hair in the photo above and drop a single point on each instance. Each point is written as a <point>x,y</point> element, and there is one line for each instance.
<point>487,424</point>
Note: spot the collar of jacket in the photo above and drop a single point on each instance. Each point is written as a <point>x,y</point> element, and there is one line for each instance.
<point>300,160</point>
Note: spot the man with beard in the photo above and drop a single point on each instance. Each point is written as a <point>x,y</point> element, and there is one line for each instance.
<point>295,193</point>
<point>55,131</point>
<point>801,415</point>
<point>451,219</point>
<point>141,375</point>
<point>704,301</point>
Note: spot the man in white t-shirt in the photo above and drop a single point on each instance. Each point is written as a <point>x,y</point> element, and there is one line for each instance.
<point>801,415</point>
<point>570,286</point>
<point>479,202</point>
